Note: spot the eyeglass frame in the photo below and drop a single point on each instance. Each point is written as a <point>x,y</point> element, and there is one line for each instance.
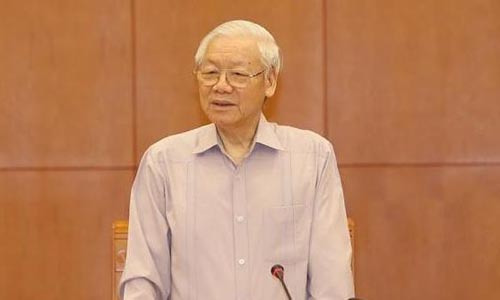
<point>197,72</point>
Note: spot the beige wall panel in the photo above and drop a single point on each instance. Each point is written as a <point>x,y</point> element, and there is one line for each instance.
<point>425,233</point>
<point>168,33</point>
<point>56,233</point>
<point>65,83</point>
<point>414,81</point>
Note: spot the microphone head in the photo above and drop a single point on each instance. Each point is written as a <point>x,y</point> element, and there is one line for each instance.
<point>277,271</point>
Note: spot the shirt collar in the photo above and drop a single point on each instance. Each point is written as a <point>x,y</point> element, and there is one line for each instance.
<point>207,139</point>
<point>265,135</point>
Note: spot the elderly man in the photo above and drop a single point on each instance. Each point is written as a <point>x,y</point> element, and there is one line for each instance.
<point>215,208</point>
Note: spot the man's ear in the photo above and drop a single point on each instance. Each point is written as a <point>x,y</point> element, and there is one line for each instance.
<point>271,79</point>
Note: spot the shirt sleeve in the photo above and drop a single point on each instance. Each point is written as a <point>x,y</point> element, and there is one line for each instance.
<point>147,268</point>
<point>329,270</point>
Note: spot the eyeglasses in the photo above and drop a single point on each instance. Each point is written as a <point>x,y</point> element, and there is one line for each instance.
<point>237,79</point>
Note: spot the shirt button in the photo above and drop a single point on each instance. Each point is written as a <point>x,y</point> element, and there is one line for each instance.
<point>240,219</point>
<point>241,261</point>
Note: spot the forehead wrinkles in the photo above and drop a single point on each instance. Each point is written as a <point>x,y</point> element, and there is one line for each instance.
<point>232,51</point>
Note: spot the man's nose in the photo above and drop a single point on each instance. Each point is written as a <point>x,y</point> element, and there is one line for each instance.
<point>222,83</point>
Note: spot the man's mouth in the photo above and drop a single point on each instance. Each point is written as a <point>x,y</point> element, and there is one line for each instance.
<point>222,103</point>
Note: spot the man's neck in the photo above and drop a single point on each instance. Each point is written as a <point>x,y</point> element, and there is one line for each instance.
<point>237,141</point>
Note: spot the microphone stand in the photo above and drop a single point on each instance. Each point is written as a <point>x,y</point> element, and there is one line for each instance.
<point>278,272</point>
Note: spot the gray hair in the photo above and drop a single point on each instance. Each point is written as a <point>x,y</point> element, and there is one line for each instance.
<point>269,50</point>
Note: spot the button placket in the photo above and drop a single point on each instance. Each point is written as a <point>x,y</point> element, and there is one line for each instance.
<point>240,234</point>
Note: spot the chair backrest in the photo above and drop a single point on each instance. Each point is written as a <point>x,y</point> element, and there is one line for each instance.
<point>351,225</point>
<point>120,232</point>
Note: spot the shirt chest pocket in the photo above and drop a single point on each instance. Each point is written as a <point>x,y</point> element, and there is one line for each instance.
<point>286,233</point>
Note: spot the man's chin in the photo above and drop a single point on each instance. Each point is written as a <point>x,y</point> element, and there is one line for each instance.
<point>223,120</point>
<point>224,123</point>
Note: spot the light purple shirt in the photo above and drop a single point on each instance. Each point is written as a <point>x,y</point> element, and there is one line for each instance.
<point>204,228</point>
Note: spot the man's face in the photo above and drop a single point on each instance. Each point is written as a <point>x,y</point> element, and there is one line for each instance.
<point>228,106</point>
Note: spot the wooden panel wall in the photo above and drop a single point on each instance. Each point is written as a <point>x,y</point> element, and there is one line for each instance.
<point>408,92</point>
<point>413,93</point>
<point>66,144</point>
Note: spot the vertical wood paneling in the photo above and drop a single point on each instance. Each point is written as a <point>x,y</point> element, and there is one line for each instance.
<point>414,82</point>
<point>413,111</point>
<point>66,161</point>
<point>56,232</point>
<point>65,83</point>
<point>425,232</point>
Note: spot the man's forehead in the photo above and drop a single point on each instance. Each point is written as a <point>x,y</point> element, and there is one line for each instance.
<point>237,50</point>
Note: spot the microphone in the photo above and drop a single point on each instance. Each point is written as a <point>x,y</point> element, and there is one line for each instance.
<point>279,272</point>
